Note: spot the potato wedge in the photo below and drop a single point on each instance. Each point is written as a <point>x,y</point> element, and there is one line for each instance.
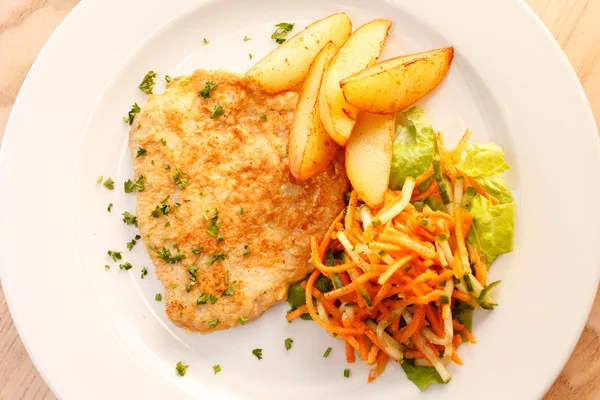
<point>396,84</point>
<point>369,156</point>
<point>287,65</point>
<point>360,51</point>
<point>310,148</point>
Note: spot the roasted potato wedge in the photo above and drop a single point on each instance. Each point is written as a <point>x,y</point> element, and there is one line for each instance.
<point>360,51</point>
<point>369,156</point>
<point>396,84</point>
<point>310,148</point>
<point>287,65</point>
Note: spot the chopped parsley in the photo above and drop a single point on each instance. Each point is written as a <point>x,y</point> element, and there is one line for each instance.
<point>163,208</point>
<point>250,56</point>
<point>172,285</point>
<point>180,178</point>
<point>99,180</point>
<point>158,297</point>
<point>129,218</point>
<point>230,291</point>
<point>163,141</point>
<point>216,257</point>
<point>115,255</point>
<point>144,272</point>
<point>241,210</point>
<point>197,250</point>
<point>263,117</point>
<point>168,78</point>
<point>202,299</point>
<point>246,250</point>
<point>127,266</point>
<point>288,343</point>
<point>147,82</point>
<point>181,369</point>
<point>243,320</point>
<point>141,151</point>
<point>218,111</point>
<point>110,205</point>
<point>257,353</point>
<point>107,266</point>
<point>131,187</point>
<point>165,255</point>
<point>219,238</point>
<point>217,368</point>
<point>205,41</point>
<point>212,298</point>
<point>347,373</point>
<point>208,86</point>
<point>213,323</point>
<point>213,225</point>
<point>281,32</point>
<point>133,242</point>
<point>327,352</point>
<point>109,184</point>
<point>246,38</point>
<point>193,271</point>
<point>135,110</point>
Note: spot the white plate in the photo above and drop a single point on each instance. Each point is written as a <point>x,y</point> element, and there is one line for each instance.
<point>97,334</point>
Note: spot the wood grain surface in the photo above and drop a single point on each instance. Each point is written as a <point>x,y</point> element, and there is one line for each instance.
<point>25,25</point>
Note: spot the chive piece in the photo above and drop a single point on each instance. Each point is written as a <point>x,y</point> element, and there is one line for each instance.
<point>288,343</point>
<point>243,320</point>
<point>347,373</point>
<point>445,299</point>
<point>257,353</point>
<point>181,369</point>
<point>467,279</point>
<point>327,352</point>
<point>217,368</point>
<point>158,297</point>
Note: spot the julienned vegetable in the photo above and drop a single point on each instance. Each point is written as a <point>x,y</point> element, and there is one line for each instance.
<point>400,281</point>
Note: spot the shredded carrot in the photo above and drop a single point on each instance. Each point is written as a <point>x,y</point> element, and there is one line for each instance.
<point>405,333</point>
<point>424,176</point>
<point>351,287</point>
<point>327,238</point>
<point>479,189</point>
<point>362,346</point>
<point>455,357</point>
<point>461,296</point>
<point>378,367</point>
<point>430,189</point>
<point>434,321</point>
<point>296,313</point>
<point>413,354</point>
<point>316,260</point>
<point>456,340</point>
<point>350,210</point>
<point>350,357</point>
<point>444,276</point>
<point>372,356</point>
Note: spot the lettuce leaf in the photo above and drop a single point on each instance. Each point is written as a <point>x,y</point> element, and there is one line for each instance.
<point>482,159</point>
<point>413,147</point>
<point>493,227</point>
<point>420,376</point>
<point>496,186</point>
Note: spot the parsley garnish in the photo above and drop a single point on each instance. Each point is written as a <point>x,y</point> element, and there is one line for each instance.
<point>109,184</point>
<point>288,343</point>
<point>163,141</point>
<point>216,368</point>
<point>135,110</point>
<point>218,111</point>
<point>129,218</point>
<point>241,210</point>
<point>197,250</point>
<point>133,242</point>
<point>243,320</point>
<point>257,353</point>
<point>181,369</point>
<point>205,41</point>
<point>246,38</point>
<point>215,257</point>
<point>131,187</point>
<point>250,56</point>
<point>212,298</point>
<point>141,151</point>
<point>230,291</point>
<point>147,82</point>
<point>263,117</point>
<point>165,254</point>
<point>144,272</point>
<point>172,285</point>
<point>115,255</point>
<point>99,180</point>
<point>202,299</point>
<point>281,32</point>
<point>246,250</point>
<point>347,373</point>
<point>158,297</point>
<point>127,266</point>
<point>213,225</point>
<point>327,352</point>
<point>163,208</point>
<point>193,271</point>
<point>168,78</point>
<point>213,323</point>
<point>208,86</point>
<point>107,266</point>
<point>180,178</point>
<point>109,207</point>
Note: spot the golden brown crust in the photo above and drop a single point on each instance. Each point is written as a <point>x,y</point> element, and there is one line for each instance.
<point>233,162</point>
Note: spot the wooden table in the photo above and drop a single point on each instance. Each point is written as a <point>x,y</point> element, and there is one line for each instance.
<point>25,25</point>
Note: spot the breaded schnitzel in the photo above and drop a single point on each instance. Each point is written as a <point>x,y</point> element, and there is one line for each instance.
<point>222,218</point>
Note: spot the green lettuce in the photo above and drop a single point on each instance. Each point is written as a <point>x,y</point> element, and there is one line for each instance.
<point>493,227</point>
<point>420,376</point>
<point>482,159</point>
<point>413,147</point>
<point>496,186</point>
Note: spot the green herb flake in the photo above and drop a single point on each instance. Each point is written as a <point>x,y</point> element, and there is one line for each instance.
<point>212,298</point>
<point>165,254</point>
<point>163,208</point>
<point>164,143</point>
<point>193,271</point>
<point>135,110</point>
<point>197,250</point>
<point>216,257</point>
<point>288,343</point>
<point>144,272</point>
<point>257,353</point>
<point>230,291</point>
<point>241,211</point>
<point>424,222</point>
<point>280,40</point>
<point>181,369</point>
<point>109,208</point>
<point>217,368</point>
<point>243,320</point>
<point>282,30</point>
<point>99,180</point>
<point>246,38</point>
<point>217,112</point>
<point>263,117</point>
<point>208,87</point>
<point>202,299</point>
<point>131,187</point>
<point>115,255</point>
<point>213,323</point>
<point>127,266</point>
<point>250,56</point>
<point>158,297</point>
<point>141,151</point>
<point>147,82</point>
<point>168,78</point>
<point>173,285</point>
<point>347,373</point>
<point>109,184</point>
<point>107,266</point>
<point>213,225</point>
<point>327,352</point>
<point>129,219</point>
<point>133,242</point>
<point>205,41</point>
<point>246,250</point>
<point>180,178</point>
